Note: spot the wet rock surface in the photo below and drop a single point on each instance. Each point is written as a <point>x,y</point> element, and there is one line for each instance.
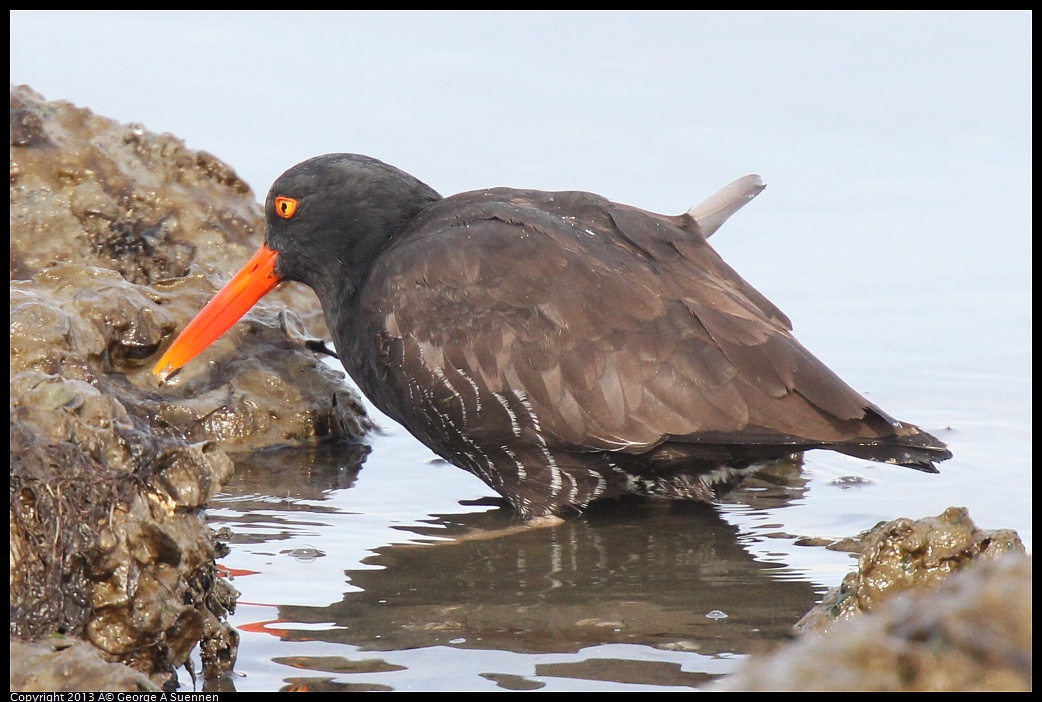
<point>87,189</point>
<point>63,663</point>
<point>258,387</point>
<point>90,190</point>
<point>118,237</point>
<point>907,554</point>
<point>937,604</point>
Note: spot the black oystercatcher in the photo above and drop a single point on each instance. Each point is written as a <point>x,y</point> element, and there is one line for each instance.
<point>561,347</point>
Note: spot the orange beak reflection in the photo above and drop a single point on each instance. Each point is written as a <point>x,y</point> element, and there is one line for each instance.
<point>254,281</point>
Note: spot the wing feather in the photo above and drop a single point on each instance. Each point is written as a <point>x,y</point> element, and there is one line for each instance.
<point>619,328</point>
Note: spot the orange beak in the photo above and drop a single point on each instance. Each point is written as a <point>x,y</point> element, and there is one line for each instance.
<point>254,281</point>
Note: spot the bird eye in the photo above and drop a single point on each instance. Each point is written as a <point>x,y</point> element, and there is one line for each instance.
<point>285,206</point>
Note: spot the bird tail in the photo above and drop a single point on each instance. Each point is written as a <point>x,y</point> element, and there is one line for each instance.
<point>915,449</point>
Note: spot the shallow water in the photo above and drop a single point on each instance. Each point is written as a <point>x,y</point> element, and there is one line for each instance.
<point>895,231</point>
<point>670,593</point>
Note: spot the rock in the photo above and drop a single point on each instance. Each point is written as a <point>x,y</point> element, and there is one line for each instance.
<point>258,387</point>
<point>938,605</point>
<point>86,189</point>
<point>907,554</point>
<point>118,237</point>
<point>67,664</point>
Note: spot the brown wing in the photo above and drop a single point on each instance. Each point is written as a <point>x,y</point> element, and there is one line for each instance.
<point>570,320</point>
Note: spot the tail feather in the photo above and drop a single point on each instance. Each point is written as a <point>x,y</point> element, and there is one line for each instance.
<point>917,450</point>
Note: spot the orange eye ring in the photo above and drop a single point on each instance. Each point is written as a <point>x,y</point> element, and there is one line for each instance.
<point>285,207</point>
